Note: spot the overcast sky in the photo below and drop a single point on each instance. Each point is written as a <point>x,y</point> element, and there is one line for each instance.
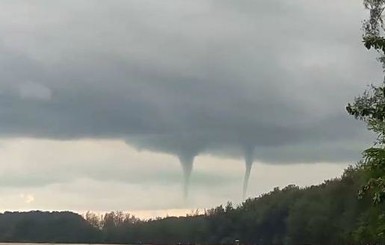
<point>99,100</point>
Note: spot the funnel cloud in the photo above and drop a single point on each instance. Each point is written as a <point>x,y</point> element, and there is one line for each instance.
<point>188,78</point>
<point>249,159</point>
<point>187,162</point>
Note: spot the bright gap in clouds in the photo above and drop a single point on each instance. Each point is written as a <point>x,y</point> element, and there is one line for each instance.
<point>108,175</point>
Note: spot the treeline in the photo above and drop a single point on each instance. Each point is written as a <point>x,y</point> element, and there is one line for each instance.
<point>46,227</point>
<point>330,213</point>
<point>326,214</point>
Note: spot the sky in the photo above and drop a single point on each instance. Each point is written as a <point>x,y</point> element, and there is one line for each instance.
<point>152,107</point>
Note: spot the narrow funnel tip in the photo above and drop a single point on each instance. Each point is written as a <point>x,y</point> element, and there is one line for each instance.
<point>249,158</point>
<point>187,166</point>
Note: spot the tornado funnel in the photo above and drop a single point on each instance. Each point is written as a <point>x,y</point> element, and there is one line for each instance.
<point>249,158</point>
<point>187,161</point>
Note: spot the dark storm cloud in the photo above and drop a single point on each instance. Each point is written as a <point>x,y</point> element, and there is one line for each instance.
<point>187,77</point>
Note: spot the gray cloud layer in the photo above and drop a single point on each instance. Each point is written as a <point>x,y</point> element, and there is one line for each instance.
<point>187,77</point>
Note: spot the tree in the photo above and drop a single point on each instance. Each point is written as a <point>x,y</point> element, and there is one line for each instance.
<point>370,107</point>
<point>374,27</point>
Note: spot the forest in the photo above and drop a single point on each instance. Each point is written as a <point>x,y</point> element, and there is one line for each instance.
<point>330,213</point>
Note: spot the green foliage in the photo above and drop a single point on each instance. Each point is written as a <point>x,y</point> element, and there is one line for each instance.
<point>378,43</point>
<point>371,226</point>
<point>329,213</point>
<point>375,169</point>
<point>374,25</point>
<point>370,107</point>
<point>44,227</point>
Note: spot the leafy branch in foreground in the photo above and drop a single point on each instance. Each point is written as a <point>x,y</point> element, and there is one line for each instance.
<point>370,107</point>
